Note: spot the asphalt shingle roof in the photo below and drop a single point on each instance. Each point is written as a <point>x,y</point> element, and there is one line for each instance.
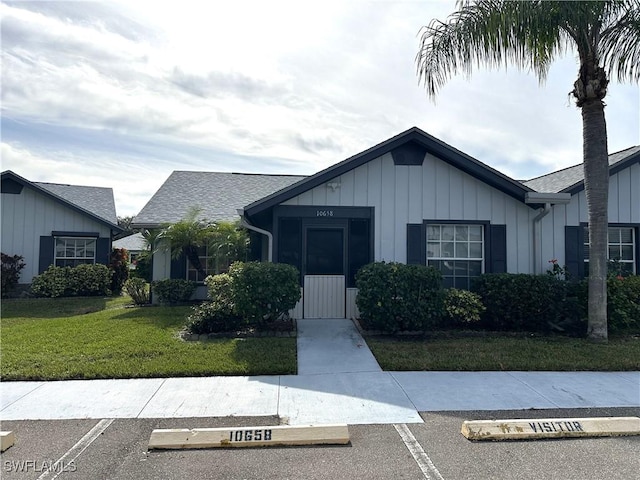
<point>562,179</point>
<point>131,243</point>
<point>97,200</point>
<point>217,195</point>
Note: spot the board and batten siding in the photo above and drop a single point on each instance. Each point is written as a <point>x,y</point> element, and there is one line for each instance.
<point>402,194</point>
<point>28,216</point>
<point>624,208</point>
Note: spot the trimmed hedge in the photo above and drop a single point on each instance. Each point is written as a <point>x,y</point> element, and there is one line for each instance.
<point>623,302</point>
<point>462,308</point>
<point>523,302</point>
<point>83,280</point>
<point>250,294</point>
<point>263,292</point>
<point>396,297</point>
<point>173,291</point>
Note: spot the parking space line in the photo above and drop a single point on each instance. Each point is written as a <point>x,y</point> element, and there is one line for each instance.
<point>417,452</point>
<point>74,452</point>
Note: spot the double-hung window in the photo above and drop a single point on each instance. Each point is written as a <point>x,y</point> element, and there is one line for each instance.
<point>457,251</point>
<point>621,249</point>
<point>71,252</point>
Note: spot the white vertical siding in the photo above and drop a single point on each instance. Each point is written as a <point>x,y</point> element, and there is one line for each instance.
<point>324,296</point>
<point>624,207</point>
<point>351,307</point>
<point>434,191</point>
<point>28,216</point>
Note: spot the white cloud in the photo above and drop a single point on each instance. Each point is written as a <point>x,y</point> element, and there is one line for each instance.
<point>148,87</point>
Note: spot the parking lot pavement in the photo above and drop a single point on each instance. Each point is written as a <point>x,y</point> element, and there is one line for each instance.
<point>376,451</point>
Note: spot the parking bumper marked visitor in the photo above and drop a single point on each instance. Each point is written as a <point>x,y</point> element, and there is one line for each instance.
<point>249,436</point>
<point>523,429</point>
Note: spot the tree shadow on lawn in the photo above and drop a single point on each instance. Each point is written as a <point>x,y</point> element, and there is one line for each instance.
<point>51,307</point>
<point>159,316</point>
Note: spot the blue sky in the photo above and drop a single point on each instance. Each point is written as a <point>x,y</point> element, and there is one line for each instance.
<point>120,94</point>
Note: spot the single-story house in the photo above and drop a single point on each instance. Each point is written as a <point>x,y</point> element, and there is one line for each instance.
<point>55,224</point>
<point>134,244</point>
<point>411,199</point>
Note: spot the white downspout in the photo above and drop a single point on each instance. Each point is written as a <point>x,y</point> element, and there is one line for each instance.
<point>536,223</point>
<point>245,223</point>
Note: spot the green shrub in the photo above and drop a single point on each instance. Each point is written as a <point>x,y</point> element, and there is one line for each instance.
<point>90,280</point>
<point>173,291</point>
<point>263,292</point>
<point>212,316</point>
<point>523,302</point>
<point>11,267</point>
<point>623,302</point>
<point>394,296</point>
<point>138,289</point>
<point>219,289</point>
<point>83,280</point>
<point>119,267</point>
<point>53,282</point>
<point>462,308</point>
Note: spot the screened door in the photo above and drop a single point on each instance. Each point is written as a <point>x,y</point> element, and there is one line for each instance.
<point>324,272</point>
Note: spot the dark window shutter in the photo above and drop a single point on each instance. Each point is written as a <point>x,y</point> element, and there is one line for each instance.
<point>574,251</point>
<point>46,253</point>
<point>497,249</point>
<point>103,250</point>
<point>416,244</point>
<point>179,268</point>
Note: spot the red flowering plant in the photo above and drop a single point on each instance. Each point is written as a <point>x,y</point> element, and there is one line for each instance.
<point>560,273</point>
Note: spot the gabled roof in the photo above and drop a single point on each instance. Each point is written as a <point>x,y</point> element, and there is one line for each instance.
<point>571,179</point>
<point>131,243</point>
<point>96,202</point>
<point>217,195</point>
<point>414,137</point>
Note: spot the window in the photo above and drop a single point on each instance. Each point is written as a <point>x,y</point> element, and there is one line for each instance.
<point>208,265</point>
<point>620,252</point>
<point>457,251</point>
<point>71,252</point>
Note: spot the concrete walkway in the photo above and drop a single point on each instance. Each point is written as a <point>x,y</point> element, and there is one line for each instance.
<point>339,381</point>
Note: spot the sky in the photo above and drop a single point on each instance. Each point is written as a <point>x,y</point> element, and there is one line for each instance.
<point>121,93</point>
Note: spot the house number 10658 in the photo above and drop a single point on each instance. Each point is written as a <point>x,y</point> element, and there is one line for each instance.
<point>324,213</point>
<point>249,435</point>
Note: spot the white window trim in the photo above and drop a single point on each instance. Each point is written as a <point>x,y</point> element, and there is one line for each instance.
<point>632,261</point>
<point>67,237</point>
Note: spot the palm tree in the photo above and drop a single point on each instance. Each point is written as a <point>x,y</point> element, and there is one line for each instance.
<point>186,237</point>
<point>530,35</point>
<point>228,243</point>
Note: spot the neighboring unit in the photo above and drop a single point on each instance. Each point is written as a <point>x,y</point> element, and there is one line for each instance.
<point>411,199</point>
<point>55,224</point>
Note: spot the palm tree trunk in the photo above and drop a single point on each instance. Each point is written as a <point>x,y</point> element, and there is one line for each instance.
<point>596,181</point>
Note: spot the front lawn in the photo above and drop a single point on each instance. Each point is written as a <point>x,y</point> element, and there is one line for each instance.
<point>505,352</point>
<point>82,338</point>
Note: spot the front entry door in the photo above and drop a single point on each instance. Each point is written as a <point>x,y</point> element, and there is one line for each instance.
<point>324,272</point>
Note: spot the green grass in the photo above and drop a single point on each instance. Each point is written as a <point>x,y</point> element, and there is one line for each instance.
<point>82,338</point>
<point>502,352</point>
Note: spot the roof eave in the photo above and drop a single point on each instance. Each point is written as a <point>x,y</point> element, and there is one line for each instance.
<point>613,169</point>
<point>14,176</point>
<point>433,146</point>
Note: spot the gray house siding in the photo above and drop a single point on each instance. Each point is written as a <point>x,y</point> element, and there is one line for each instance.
<point>624,209</point>
<point>29,215</point>
<point>406,194</point>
